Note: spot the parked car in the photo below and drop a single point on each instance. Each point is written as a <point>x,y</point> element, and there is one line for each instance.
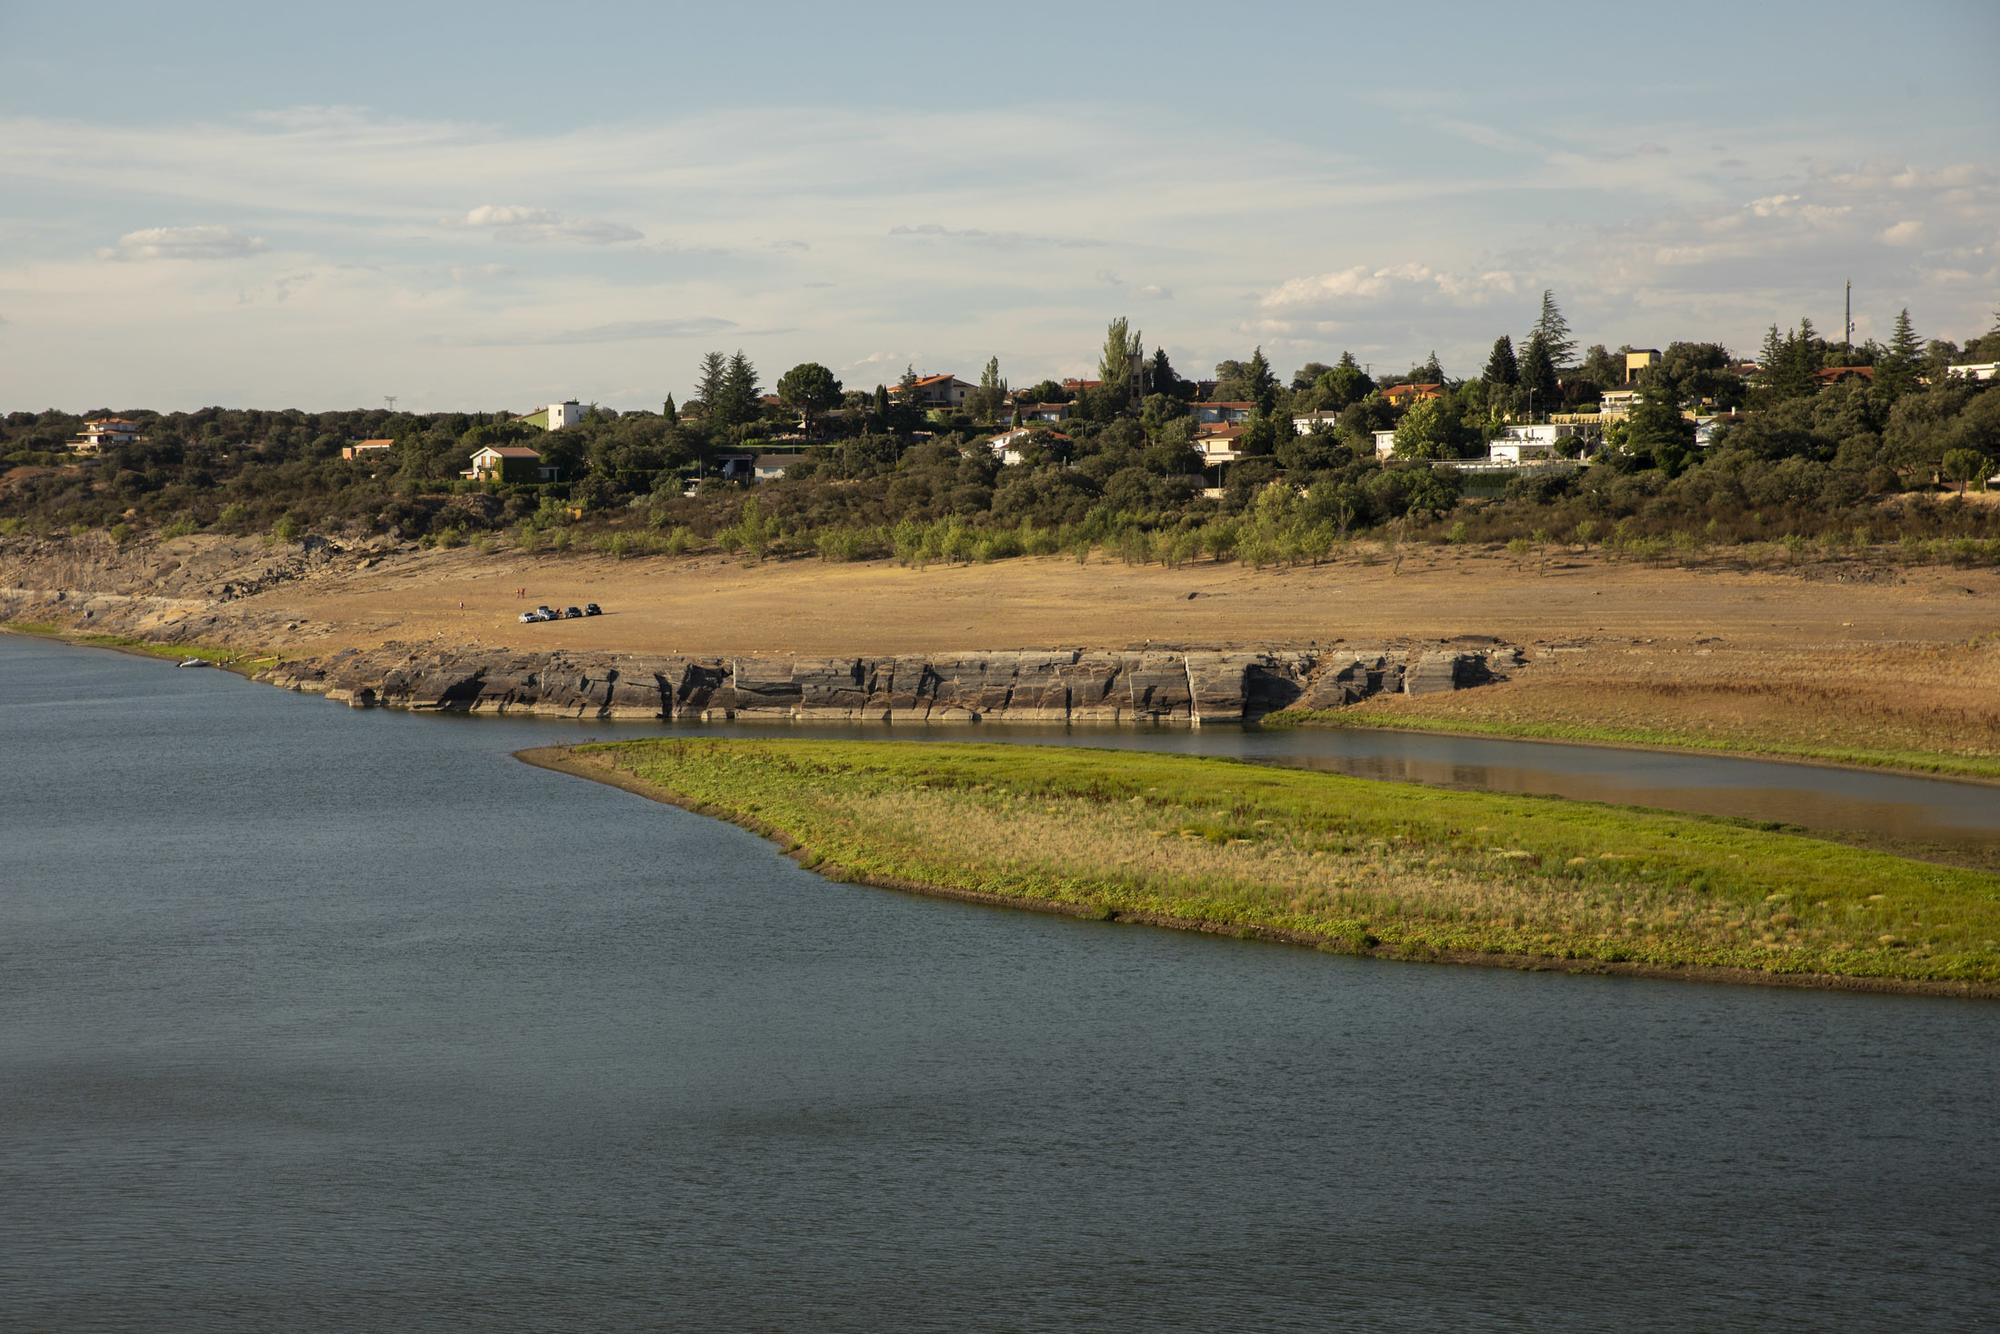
<point>592,609</point>
<point>549,613</point>
<point>574,613</point>
<point>530,617</point>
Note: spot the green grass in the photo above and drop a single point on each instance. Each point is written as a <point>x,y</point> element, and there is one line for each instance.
<point>241,659</point>
<point>1350,864</point>
<point>1914,761</point>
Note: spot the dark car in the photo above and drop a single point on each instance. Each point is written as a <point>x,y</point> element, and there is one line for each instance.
<point>592,609</point>
<point>574,613</point>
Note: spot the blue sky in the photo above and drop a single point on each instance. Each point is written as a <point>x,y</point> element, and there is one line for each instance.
<point>490,206</point>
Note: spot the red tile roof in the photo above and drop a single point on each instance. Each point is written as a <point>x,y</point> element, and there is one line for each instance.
<point>1832,373</point>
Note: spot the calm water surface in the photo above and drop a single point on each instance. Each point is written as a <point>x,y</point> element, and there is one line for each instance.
<point>334,1020</point>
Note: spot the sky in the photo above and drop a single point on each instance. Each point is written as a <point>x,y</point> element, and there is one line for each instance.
<point>487,206</point>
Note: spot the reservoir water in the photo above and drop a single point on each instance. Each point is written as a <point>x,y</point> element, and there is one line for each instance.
<point>335,1020</point>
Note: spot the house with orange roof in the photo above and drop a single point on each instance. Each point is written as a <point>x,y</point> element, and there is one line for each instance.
<point>363,448</point>
<point>1402,395</point>
<point>939,391</point>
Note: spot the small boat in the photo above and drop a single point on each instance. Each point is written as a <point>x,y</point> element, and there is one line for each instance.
<point>194,662</point>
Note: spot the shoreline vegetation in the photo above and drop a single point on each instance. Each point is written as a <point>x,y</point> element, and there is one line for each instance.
<point>1347,865</point>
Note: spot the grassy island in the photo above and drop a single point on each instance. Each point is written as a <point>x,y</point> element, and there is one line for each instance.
<point>1346,864</point>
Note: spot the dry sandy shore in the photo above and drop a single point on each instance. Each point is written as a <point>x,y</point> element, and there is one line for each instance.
<point>1836,654</point>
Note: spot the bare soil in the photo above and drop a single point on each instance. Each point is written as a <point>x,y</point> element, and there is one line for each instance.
<point>1844,652</point>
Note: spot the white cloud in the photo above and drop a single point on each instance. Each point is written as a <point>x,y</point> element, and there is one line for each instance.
<point>205,242</point>
<point>514,222</point>
<point>1905,232</point>
<point>1362,283</point>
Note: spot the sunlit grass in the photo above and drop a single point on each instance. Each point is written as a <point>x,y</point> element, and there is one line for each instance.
<point>1353,864</point>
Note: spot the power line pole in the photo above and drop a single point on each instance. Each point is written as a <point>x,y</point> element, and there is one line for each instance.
<point>1847,326</point>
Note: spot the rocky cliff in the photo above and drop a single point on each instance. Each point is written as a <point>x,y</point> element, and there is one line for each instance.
<point>1188,687</point>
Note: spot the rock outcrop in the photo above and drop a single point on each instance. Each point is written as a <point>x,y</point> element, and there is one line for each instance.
<point>1180,687</point>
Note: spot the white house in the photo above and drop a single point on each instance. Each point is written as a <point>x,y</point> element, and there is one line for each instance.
<point>1045,412</point>
<point>1976,370</point>
<point>1617,403</point>
<point>101,431</point>
<point>770,467</point>
<point>1385,444</point>
<point>1222,413</point>
<point>1527,441</point>
<point>1308,422</point>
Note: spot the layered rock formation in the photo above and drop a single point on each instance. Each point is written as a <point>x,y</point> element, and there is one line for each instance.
<point>1187,687</point>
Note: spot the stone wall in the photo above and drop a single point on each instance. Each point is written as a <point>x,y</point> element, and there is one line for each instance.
<point>1185,687</point>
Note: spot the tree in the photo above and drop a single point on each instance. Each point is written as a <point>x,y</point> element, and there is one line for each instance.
<point>1656,433</point>
<point>1307,376</point>
<point>1502,367</point>
<point>1346,383</point>
<point>1554,331</point>
<point>739,391</point>
<point>1260,386</point>
<point>708,383</point>
<point>1426,432</point>
<point>1601,368</point>
<point>1962,466</point>
<point>1538,372</point>
<point>1123,362</point>
<point>986,401</point>
<point>1428,373</point>
<point>1162,378</point>
<point>1896,368</point>
<point>808,389</point>
<point>670,412</point>
<point>881,405</point>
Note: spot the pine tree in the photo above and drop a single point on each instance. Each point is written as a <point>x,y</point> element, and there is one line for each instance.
<point>1430,372</point>
<point>670,412</point>
<point>881,404</point>
<point>1771,353</point>
<point>1538,372</point>
<point>709,381</point>
<point>1554,331</point>
<point>1259,382</point>
<point>1503,368</point>
<point>739,391</point>
<point>1896,367</point>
